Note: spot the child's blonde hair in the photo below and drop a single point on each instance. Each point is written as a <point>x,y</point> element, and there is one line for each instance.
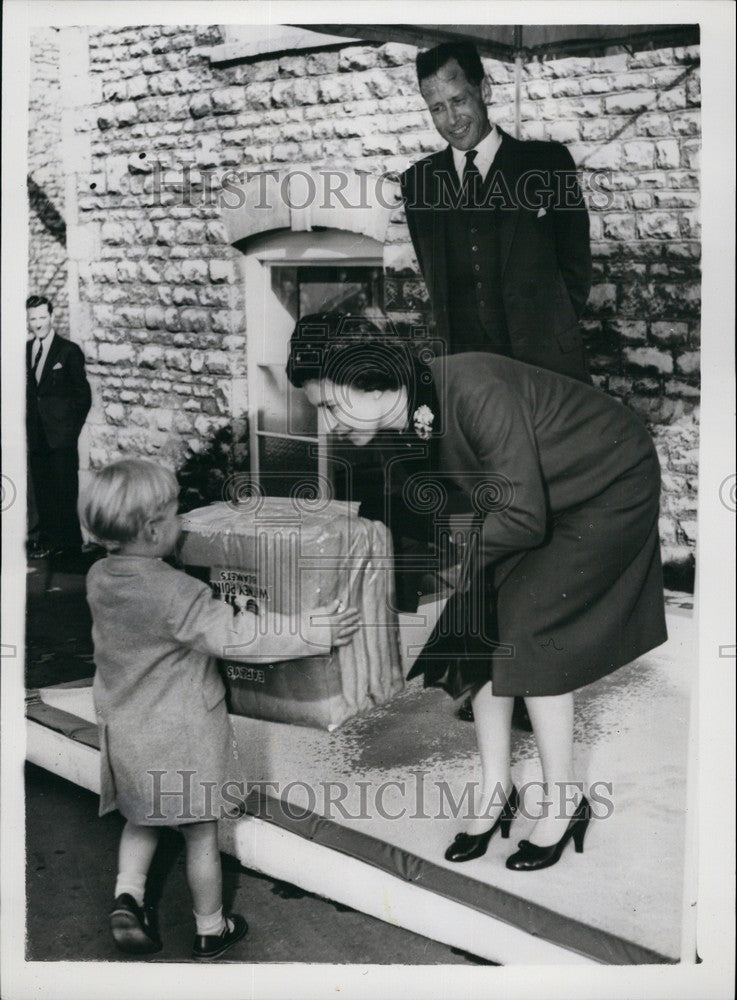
<point>120,498</point>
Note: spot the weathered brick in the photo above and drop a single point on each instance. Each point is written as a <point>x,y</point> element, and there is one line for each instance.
<point>571,66</point>
<point>673,99</point>
<point>669,333</point>
<point>619,226</point>
<point>115,413</point>
<point>657,225</point>
<point>610,64</point>
<point>596,85</point>
<point>195,271</point>
<point>217,362</point>
<point>565,88</point>
<point>631,331</point>
<point>113,354</point>
<point>641,200</point>
<point>648,359</point>
<point>653,124</point>
<point>221,271</point>
<point>638,155</point>
<point>602,299</point>
<point>151,356</point>
<point>682,389</point>
<point>690,225</point>
<point>686,123</point>
<point>632,81</point>
<point>194,320</point>
<point>184,296</point>
<point>676,199</point>
<point>595,129</point>
<point>282,94</point>
<point>306,91</point>
<point>322,63</point>
<point>630,103</point>
<point>538,90</point>
<point>333,89</point>
<point>285,152</point>
<point>377,144</point>
<point>354,58</point>
<point>564,131</point>
<point>689,363</point>
<point>176,361</point>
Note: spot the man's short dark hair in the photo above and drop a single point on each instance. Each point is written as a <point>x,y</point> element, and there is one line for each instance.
<point>464,53</point>
<point>39,300</point>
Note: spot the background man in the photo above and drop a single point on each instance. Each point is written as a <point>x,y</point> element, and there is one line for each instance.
<point>58,400</point>
<point>500,231</point>
<point>508,270</point>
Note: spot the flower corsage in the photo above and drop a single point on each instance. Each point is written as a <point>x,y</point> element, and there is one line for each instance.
<point>423,419</point>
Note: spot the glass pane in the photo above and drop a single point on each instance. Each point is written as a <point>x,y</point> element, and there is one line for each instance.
<point>355,290</point>
<point>282,408</point>
<point>285,465</point>
<point>285,286</point>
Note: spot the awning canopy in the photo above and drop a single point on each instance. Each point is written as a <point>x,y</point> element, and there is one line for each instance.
<point>507,41</point>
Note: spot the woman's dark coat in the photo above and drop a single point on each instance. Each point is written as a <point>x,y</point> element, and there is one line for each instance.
<point>567,482</point>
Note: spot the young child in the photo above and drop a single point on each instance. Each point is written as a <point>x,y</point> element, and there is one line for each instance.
<point>167,747</point>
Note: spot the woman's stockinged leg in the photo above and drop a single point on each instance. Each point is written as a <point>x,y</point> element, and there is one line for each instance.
<point>552,722</point>
<point>204,874</point>
<point>493,722</point>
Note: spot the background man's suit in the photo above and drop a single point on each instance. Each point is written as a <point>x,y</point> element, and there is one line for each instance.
<point>509,279</point>
<point>56,409</point>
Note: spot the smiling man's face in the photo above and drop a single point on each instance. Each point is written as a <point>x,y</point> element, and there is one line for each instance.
<point>457,107</point>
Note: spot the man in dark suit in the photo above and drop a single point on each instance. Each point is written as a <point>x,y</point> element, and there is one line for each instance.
<point>58,400</point>
<point>500,230</point>
<point>499,226</point>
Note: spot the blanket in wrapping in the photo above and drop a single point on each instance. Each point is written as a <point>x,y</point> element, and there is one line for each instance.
<point>279,557</point>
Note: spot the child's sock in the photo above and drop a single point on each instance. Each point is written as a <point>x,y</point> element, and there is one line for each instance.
<point>134,883</point>
<point>213,923</point>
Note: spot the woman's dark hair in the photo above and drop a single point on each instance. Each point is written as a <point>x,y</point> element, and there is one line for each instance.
<point>349,350</point>
<point>33,301</point>
<point>464,53</point>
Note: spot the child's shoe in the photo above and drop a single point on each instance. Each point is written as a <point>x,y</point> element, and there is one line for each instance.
<point>132,927</point>
<point>207,946</point>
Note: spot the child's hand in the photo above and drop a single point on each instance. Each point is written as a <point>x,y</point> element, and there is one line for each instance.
<point>343,623</point>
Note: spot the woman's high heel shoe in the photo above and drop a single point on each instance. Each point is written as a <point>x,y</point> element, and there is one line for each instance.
<point>531,857</point>
<point>468,846</point>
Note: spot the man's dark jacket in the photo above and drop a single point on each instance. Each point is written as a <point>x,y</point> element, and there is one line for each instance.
<point>57,407</point>
<point>544,256</point>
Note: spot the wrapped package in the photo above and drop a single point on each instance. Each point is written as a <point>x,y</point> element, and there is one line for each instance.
<point>277,557</point>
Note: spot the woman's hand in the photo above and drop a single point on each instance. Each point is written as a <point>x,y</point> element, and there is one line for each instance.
<point>343,622</point>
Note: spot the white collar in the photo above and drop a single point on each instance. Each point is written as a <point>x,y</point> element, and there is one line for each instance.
<point>486,150</point>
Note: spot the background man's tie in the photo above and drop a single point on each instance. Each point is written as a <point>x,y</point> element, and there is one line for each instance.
<point>36,360</point>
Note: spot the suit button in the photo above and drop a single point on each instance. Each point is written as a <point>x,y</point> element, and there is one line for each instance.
<point>477,267</point>
<point>481,302</point>
<point>474,230</point>
<point>474,248</point>
<point>479,284</point>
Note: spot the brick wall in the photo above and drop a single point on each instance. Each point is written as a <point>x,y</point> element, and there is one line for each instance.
<point>166,339</point>
<point>47,263</point>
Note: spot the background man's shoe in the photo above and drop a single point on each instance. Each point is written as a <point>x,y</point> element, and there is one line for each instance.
<point>208,946</point>
<point>132,927</point>
<point>465,712</point>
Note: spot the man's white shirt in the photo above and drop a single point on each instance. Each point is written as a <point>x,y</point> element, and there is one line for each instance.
<point>45,348</point>
<point>485,153</point>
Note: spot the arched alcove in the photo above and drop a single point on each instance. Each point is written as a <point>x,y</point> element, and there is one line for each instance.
<point>286,275</point>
